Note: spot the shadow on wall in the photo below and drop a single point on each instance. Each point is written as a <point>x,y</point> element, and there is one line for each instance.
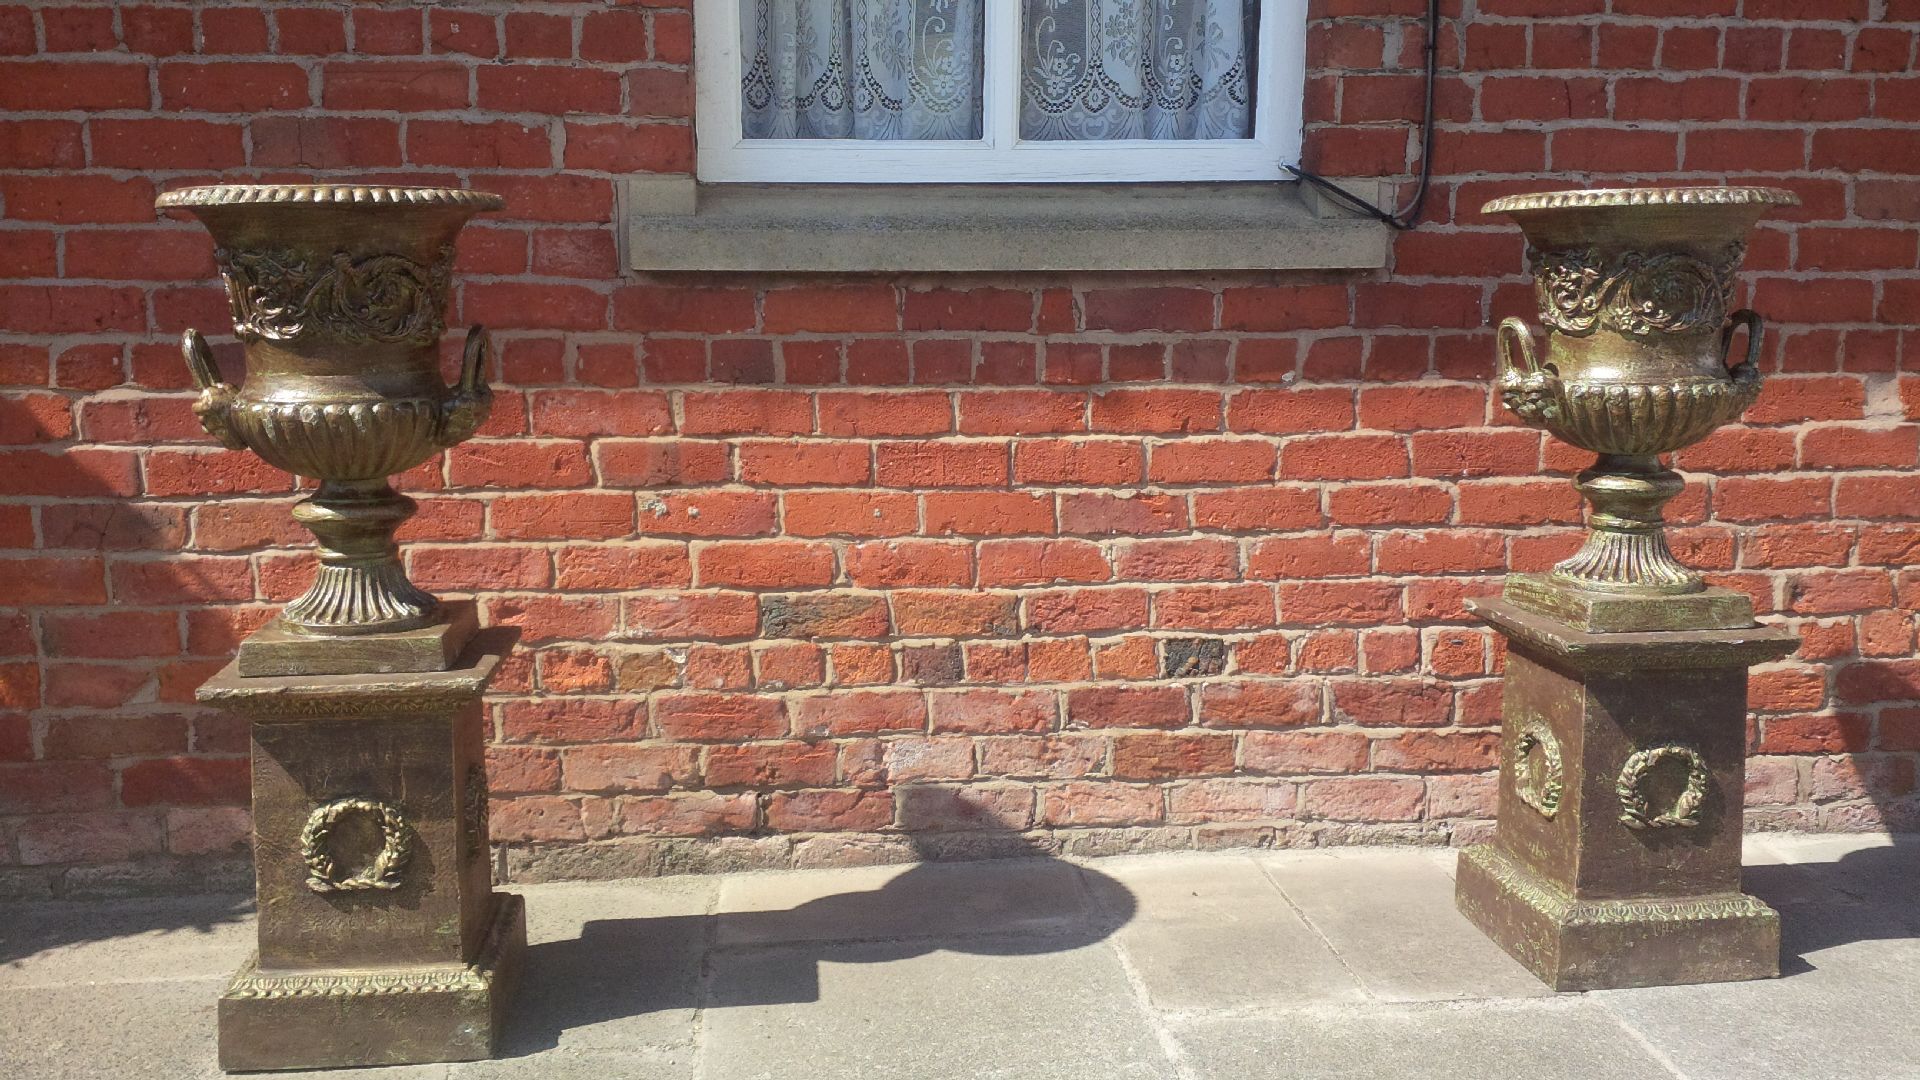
<point>621,968</point>
<point>1868,894</point>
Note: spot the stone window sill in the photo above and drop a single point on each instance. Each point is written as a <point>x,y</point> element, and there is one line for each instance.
<point>676,224</point>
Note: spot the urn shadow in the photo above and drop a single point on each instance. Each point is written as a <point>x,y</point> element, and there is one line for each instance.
<point>624,968</point>
<point>1870,894</point>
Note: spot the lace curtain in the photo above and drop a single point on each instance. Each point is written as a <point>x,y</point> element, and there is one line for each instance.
<point>861,69</point>
<point>911,69</point>
<point>1138,69</point>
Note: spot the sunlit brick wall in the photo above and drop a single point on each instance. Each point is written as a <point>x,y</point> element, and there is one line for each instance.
<point>827,569</point>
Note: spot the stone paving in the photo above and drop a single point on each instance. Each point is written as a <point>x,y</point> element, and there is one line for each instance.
<point>1349,963</point>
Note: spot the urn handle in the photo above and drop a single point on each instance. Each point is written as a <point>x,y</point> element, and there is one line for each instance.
<point>467,406</point>
<point>216,397</point>
<point>1514,333</point>
<point>1529,391</point>
<point>1749,318</point>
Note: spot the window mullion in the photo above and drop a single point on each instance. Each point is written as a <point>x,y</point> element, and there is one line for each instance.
<point>1000,81</point>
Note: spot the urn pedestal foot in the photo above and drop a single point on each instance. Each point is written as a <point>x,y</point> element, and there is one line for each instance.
<point>281,648</point>
<point>336,1017</point>
<point>380,938</point>
<point>1612,944</point>
<point>1616,861</point>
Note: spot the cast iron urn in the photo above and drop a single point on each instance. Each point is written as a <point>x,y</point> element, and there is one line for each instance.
<point>338,296</point>
<point>1616,861</point>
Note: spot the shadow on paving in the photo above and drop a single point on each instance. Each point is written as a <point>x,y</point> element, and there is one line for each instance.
<point>619,968</point>
<point>1868,894</point>
<point>38,926</point>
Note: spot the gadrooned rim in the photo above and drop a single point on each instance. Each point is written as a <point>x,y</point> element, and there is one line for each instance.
<point>326,194</point>
<point>1652,196</point>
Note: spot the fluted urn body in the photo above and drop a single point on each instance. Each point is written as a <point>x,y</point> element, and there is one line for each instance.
<point>1634,289</point>
<point>339,296</point>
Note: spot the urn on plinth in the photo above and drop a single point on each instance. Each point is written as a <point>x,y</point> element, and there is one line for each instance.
<point>1616,859</point>
<point>1635,288</point>
<point>339,296</point>
<point>380,938</point>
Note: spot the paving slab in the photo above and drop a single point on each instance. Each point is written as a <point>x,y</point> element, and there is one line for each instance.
<point>612,967</point>
<point>807,1012</point>
<point>87,1031</point>
<point>1390,917</point>
<point>929,900</point>
<point>1506,1040</point>
<point>1213,932</point>
<point>1845,1014</point>
<point>46,943</point>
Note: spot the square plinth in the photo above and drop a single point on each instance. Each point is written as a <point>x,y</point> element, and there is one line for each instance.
<point>1574,944</point>
<point>1605,613</point>
<point>324,1018</point>
<point>280,649</point>
<point>1616,858</point>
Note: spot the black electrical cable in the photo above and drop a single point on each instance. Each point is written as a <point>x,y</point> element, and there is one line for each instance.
<point>1410,215</point>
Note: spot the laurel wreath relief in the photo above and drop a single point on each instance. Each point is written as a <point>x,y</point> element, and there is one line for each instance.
<point>385,871</point>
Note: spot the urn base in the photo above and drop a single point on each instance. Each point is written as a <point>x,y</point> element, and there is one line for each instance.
<point>279,648</point>
<point>1712,608</point>
<point>1576,944</point>
<point>333,1018</point>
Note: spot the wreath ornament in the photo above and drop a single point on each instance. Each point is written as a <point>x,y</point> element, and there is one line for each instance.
<point>1542,788</point>
<point>387,868</point>
<point>1636,811</point>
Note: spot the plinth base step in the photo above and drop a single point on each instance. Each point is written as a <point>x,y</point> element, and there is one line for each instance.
<point>326,1018</point>
<point>1582,944</point>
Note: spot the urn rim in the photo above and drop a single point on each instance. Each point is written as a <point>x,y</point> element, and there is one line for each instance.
<point>204,195</point>
<point>1596,198</point>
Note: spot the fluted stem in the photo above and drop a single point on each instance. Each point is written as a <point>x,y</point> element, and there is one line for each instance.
<point>361,587</point>
<point>1626,550</point>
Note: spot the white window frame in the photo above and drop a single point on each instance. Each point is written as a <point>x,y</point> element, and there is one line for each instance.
<point>725,156</point>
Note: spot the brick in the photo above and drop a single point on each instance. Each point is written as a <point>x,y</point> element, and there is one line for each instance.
<point>865,712</point>
<point>395,85</point>
<point>1230,799</point>
<point>184,781</point>
<point>238,87</point>
<point>992,712</point>
<point>829,810</point>
<point>1128,707</point>
<point>690,616</point>
<point>930,464</point>
<point>1166,757</point>
<point>765,564</point>
<point>1100,803</point>
<point>832,309</point>
<point>770,765</point>
<point>1387,702</point>
<point>555,91</point>
<point>1344,457</point>
<point>1286,753</point>
<point>896,414</point>
<point>688,814</point>
<point>1021,412</point>
<point>942,807</point>
<point>45,85</point>
<point>1149,309</point>
<point>840,614</point>
<point>1363,799</point>
<point>1160,411</point>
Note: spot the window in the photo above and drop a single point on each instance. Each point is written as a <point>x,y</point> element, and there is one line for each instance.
<point>960,91</point>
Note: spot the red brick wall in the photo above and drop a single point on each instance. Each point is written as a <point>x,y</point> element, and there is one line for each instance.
<point>954,536</point>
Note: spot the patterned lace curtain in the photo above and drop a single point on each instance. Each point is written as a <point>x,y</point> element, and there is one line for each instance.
<point>1138,69</point>
<point>861,69</point>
